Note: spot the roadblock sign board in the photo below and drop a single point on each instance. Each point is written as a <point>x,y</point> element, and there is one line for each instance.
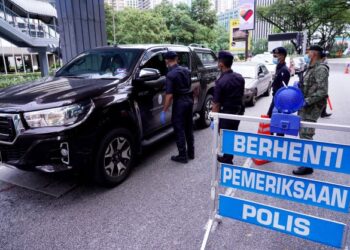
<point>308,227</point>
<point>319,155</point>
<point>311,192</point>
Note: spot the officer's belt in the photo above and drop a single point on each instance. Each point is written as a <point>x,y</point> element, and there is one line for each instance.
<point>177,95</point>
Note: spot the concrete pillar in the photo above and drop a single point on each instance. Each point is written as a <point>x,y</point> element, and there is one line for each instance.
<point>31,59</point>
<point>81,25</point>
<point>24,64</point>
<point>44,63</point>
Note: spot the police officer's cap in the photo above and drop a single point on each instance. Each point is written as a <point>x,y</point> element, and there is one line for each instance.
<point>279,50</point>
<point>170,55</point>
<point>316,47</point>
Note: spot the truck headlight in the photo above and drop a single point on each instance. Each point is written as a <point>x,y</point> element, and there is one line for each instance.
<point>62,116</point>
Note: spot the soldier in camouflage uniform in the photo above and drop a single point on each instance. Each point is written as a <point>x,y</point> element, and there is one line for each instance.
<point>315,90</point>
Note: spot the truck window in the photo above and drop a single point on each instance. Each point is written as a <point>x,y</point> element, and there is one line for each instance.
<point>207,58</point>
<point>184,59</point>
<point>157,62</point>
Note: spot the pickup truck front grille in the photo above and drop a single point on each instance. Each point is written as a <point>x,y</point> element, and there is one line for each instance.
<point>10,127</point>
<point>7,129</point>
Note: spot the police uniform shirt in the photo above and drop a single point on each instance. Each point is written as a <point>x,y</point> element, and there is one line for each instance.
<point>282,75</point>
<point>229,89</point>
<point>178,81</point>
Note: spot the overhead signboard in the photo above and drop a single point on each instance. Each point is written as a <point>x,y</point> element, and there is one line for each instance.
<point>246,14</point>
<point>322,194</point>
<point>314,154</point>
<point>308,227</point>
<point>238,37</point>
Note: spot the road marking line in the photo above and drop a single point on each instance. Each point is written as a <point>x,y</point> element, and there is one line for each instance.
<point>230,192</point>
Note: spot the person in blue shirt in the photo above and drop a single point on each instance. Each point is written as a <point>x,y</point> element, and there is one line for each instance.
<point>282,73</point>
<point>228,96</point>
<point>179,92</point>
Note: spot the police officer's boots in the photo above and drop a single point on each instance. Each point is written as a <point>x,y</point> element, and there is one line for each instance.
<point>190,154</point>
<point>182,158</point>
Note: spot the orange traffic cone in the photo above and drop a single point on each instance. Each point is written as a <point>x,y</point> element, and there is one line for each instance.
<point>347,69</point>
<point>264,128</point>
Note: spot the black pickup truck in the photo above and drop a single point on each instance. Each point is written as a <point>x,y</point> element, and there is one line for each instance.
<point>99,110</point>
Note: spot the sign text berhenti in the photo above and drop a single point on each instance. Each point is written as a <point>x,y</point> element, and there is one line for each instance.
<point>325,156</point>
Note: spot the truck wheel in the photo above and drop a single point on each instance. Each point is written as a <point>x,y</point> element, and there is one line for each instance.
<point>204,120</point>
<point>115,158</point>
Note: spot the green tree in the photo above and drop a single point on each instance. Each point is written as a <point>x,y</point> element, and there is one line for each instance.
<point>202,13</point>
<point>259,46</point>
<point>137,26</point>
<point>323,19</point>
<point>167,23</point>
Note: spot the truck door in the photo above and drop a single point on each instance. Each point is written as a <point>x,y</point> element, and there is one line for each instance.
<point>151,97</point>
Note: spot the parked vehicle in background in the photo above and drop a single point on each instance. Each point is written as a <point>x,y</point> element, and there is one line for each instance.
<point>99,110</point>
<point>267,60</point>
<point>258,80</point>
<point>300,64</point>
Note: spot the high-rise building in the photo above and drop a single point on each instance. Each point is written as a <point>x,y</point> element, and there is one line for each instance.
<point>116,4</point>
<point>132,3</point>
<point>225,17</point>
<point>222,6</point>
<point>262,28</point>
<point>138,4</point>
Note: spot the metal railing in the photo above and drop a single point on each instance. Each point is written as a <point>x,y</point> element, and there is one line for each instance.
<point>32,27</point>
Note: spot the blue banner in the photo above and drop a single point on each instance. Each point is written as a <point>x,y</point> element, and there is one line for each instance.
<point>322,194</point>
<point>320,155</point>
<point>323,231</point>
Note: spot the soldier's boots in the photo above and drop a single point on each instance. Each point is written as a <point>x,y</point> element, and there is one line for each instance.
<point>325,114</point>
<point>303,171</point>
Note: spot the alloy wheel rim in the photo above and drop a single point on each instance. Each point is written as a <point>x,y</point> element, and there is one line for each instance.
<point>117,157</point>
<point>208,108</point>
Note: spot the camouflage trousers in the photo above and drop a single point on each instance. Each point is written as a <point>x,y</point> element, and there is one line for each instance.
<point>307,133</point>
<point>310,114</point>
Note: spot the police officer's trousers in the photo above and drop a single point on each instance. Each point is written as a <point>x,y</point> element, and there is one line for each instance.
<point>231,125</point>
<point>182,120</point>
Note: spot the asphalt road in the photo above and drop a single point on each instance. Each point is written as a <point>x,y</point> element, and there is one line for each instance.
<point>162,205</point>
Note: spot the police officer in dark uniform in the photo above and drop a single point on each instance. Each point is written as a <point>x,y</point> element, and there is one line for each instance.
<point>282,73</point>
<point>178,91</point>
<point>228,96</point>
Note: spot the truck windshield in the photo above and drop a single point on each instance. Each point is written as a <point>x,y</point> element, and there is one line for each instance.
<point>114,64</point>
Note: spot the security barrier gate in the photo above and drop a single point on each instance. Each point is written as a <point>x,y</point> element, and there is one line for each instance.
<point>318,155</point>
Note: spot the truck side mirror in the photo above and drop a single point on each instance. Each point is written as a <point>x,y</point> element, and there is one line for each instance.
<point>148,74</point>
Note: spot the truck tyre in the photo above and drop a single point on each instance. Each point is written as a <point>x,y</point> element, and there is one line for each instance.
<point>204,119</point>
<point>115,157</point>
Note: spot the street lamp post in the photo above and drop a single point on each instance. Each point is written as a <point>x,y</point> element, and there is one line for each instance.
<point>114,37</point>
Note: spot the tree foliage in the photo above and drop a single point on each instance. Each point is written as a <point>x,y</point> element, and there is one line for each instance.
<point>181,24</point>
<point>323,19</point>
<point>259,46</point>
<point>137,26</point>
